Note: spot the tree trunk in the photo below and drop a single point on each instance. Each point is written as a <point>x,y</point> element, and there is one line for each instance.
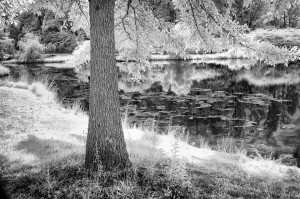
<point>105,141</point>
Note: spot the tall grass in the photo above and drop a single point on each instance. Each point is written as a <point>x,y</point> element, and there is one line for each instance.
<point>77,108</point>
<point>228,144</point>
<point>203,143</point>
<point>41,87</point>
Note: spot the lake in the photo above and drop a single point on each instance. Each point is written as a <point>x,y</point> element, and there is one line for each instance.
<point>256,104</point>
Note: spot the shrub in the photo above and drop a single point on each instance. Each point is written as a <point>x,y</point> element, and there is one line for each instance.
<point>7,45</point>
<point>50,48</point>
<point>64,42</point>
<point>30,48</point>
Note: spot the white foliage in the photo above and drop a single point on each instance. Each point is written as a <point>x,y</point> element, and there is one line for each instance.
<point>266,52</point>
<point>82,55</point>
<point>81,60</point>
<point>202,27</point>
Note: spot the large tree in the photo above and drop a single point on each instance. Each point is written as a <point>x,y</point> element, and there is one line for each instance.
<point>105,141</point>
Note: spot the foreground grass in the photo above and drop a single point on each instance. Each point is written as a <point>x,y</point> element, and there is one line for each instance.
<point>154,174</point>
<point>164,166</point>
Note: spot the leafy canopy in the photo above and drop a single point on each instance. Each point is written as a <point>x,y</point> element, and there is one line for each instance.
<point>141,29</point>
<point>200,26</point>
<point>9,9</point>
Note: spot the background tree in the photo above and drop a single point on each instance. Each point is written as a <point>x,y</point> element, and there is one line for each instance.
<point>250,15</point>
<point>277,13</point>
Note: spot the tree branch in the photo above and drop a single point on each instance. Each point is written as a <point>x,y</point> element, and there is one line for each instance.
<point>195,21</point>
<point>136,28</point>
<point>81,10</point>
<point>129,2</point>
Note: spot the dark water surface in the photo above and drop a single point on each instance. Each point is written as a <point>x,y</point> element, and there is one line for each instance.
<point>258,105</point>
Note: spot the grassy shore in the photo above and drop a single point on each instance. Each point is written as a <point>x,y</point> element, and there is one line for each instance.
<point>42,156</point>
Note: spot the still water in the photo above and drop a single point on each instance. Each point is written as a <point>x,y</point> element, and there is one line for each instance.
<point>258,105</point>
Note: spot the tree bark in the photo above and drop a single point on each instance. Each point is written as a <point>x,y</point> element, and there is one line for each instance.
<point>105,141</point>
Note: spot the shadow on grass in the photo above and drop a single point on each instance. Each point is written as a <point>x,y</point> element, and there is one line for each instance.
<point>48,150</point>
<point>30,181</point>
<point>3,192</point>
<point>3,183</point>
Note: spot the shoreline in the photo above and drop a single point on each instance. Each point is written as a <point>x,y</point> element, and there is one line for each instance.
<point>63,58</point>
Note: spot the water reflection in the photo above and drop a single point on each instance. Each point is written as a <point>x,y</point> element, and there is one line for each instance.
<point>256,105</point>
<point>177,77</point>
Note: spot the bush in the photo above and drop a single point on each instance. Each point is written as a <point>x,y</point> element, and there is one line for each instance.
<point>64,42</point>
<point>50,48</point>
<point>30,48</point>
<point>7,46</point>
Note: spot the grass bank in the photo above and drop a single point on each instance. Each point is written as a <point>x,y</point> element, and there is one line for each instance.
<point>43,155</point>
